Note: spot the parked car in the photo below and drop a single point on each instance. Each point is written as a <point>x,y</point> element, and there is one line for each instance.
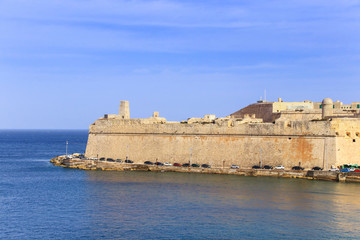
<point>195,165</point>
<point>256,167</point>
<point>317,169</point>
<point>334,170</point>
<point>297,168</point>
<point>345,170</point>
<point>167,164</point>
<point>234,167</point>
<point>119,160</point>
<point>128,161</point>
<point>186,165</point>
<point>357,170</point>
<point>280,167</point>
<point>159,164</point>
<point>205,166</point>
<point>268,167</point>
<point>110,160</point>
<point>102,159</point>
<point>148,163</point>
<point>177,164</point>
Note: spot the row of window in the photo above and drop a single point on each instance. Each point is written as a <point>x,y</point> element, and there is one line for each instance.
<point>357,106</point>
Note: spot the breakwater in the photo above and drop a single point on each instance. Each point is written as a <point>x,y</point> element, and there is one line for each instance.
<point>86,164</point>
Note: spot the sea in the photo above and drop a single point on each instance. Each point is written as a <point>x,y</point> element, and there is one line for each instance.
<point>42,201</point>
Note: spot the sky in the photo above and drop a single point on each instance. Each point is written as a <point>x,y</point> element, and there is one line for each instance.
<point>65,63</point>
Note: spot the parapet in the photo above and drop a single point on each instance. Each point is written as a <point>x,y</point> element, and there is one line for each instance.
<point>258,113</point>
<point>112,116</point>
<point>205,119</point>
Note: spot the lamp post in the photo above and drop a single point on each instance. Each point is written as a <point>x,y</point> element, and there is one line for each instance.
<point>127,152</point>
<point>190,156</point>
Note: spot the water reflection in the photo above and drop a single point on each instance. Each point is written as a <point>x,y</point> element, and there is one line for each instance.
<point>180,205</point>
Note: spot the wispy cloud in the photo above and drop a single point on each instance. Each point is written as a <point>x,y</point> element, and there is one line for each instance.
<point>227,14</point>
<point>151,13</point>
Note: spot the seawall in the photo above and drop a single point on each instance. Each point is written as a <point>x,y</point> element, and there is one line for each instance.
<point>86,164</point>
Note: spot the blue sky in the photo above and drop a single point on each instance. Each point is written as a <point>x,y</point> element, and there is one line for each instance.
<point>63,63</point>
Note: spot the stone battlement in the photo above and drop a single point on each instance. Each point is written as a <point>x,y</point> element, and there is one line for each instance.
<point>226,127</point>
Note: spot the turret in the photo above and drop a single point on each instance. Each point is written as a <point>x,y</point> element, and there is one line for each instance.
<point>124,110</point>
<point>327,108</point>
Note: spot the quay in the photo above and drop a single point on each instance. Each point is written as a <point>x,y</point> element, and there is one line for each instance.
<point>87,164</point>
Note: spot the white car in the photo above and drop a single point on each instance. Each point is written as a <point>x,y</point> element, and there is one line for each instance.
<point>280,167</point>
<point>334,170</point>
<point>234,167</point>
<point>167,164</point>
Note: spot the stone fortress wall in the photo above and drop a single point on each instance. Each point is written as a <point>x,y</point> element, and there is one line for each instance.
<point>326,140</point>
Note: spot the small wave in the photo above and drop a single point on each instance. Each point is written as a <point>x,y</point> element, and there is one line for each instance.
<point>39,160</point>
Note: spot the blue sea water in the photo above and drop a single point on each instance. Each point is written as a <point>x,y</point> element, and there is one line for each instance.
<point>41,201</point>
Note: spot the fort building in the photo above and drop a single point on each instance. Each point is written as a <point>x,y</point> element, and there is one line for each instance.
<point>305,110</point>
<point>302,133</point>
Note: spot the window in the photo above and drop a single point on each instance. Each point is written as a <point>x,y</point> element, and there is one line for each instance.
<point>358,106</point>
<point>320,106</point>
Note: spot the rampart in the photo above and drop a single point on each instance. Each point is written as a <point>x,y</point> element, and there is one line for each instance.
<point>227,141</point>
<point>284,143</point>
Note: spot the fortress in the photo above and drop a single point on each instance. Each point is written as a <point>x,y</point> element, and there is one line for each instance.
<point>303,133</point>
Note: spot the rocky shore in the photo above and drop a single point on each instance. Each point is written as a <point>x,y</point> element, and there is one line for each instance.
<point>86,164</point>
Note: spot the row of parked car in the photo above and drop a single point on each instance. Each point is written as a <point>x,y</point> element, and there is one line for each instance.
<point>280,167</point>
<point>350,168</point>
<point>154,163</point>
<point>115,160</point>
<point>177,164</point>
<point>268,167</point>
<point>344,168</point>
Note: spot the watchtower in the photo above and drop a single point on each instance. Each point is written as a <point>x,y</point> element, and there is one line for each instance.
<point>124,110</point>
<point>327,108</point>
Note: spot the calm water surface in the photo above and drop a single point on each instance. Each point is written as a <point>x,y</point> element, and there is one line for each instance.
<point>41,201</point>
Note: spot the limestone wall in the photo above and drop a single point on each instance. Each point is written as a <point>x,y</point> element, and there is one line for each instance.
<point>298,115</point>
<point>284,106</point>
<point>347,140</point>
<point>310,143</point>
